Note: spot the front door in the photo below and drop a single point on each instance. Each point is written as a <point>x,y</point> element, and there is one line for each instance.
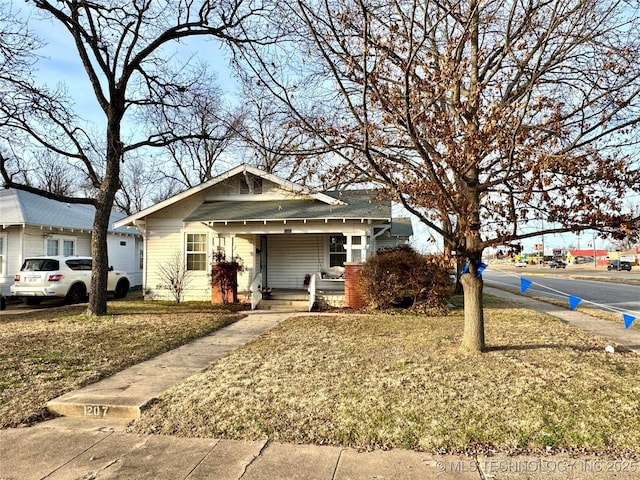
<point>263,261</point>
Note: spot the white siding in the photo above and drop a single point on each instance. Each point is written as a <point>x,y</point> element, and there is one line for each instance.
<point>244,248</point>
<point>125,257</point>
<point>291,257</point>
<point>230,190</point>
<point>11,257</point>
<point>165,239</point>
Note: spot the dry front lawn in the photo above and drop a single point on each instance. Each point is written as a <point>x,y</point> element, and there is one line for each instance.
<point>47,353</point>
<point>383,381</point>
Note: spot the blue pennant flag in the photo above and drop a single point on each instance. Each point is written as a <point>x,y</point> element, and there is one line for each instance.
<point>628,320</point>
<point>573,302</point>
<point>481,267</point>
<point>524,284</point>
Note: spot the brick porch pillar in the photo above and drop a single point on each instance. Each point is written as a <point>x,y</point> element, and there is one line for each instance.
<point>352,297</point>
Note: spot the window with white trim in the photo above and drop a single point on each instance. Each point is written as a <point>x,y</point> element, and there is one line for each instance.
<point>196,251</point>
<point>59,245</point>
<point>337,252</point>
<point>52,246</point>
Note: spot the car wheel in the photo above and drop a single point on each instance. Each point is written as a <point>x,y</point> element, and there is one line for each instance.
<point>32,301</point>
<point>122,288</point>
<point>77,294</point>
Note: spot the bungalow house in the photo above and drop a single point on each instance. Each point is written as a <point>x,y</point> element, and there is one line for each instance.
<point>282,233</point>
<point>32,225</point>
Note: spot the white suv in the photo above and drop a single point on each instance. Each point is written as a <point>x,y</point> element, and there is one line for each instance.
<point>69,277</point>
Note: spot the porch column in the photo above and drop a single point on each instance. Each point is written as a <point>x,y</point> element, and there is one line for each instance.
<point>352,296</point>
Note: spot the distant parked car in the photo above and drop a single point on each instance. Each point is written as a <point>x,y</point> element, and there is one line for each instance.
<point>520,264</point>
<point>619,265</point>
<point>557,264</point>
<point>67,277</point>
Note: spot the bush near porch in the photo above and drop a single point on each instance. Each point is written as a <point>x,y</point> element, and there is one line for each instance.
<point>401,277</point>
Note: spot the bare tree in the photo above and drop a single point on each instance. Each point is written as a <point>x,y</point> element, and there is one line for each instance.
<point>195,160</point>
<point>175,277</point>
<point>480,117</point>
<point>124,49</point>
<point>272,134</point>
<point>140,181</point>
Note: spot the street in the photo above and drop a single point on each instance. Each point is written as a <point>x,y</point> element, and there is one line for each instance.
<point>558,284</point>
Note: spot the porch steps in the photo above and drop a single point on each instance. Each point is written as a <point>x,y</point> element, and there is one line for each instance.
<point>284,305</point>
<point>286,300</point>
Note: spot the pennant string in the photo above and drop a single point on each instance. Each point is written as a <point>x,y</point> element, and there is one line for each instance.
<point>526,283</point>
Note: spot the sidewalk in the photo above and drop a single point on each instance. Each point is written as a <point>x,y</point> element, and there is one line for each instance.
<point>94,444</point>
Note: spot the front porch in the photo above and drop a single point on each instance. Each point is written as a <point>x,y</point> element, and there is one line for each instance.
<point>319,295</point>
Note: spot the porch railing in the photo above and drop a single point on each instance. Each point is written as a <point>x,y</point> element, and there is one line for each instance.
<point>256,290</point>
<point>312,291</point>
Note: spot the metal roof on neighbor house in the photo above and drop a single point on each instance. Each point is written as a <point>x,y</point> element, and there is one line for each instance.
<point>18,207</point>
<point>359,204</point>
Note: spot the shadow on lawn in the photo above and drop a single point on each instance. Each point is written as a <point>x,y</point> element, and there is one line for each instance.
<point>541,346</point>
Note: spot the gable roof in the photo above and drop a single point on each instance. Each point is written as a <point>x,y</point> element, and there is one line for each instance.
<point>244,168</point>
<point>18,207</point>
<point>354,204</point>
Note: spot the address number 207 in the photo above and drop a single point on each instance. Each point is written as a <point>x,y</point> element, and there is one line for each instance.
<point>95,410</point>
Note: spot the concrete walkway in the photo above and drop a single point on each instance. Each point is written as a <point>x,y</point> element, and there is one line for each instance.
<point>125,394</point>
<point>91,443</point>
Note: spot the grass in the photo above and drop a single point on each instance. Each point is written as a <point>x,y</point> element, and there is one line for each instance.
<point>384,381</point>
<point>49,352</point>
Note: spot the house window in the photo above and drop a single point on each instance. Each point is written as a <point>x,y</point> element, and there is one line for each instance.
<point>52,246</point>
<point>356,250</point>
<point>196,251</point>
<point>256,186</point>
<point>57,245</point>
<point>337,252</point>
<point>68,247</point>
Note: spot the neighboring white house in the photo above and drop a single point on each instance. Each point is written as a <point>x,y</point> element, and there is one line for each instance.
<point>282,232</point>
<point>32,225</point>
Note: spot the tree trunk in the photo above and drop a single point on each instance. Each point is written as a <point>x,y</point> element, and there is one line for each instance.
<point>473,336</point>
<point>104,204</point>
<point>99,253</point>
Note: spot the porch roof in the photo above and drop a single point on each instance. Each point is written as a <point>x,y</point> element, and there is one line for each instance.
<point>357,204</point>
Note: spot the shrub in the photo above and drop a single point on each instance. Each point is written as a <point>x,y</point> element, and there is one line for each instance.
<point>174,276</point>
<point>401,277</point>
